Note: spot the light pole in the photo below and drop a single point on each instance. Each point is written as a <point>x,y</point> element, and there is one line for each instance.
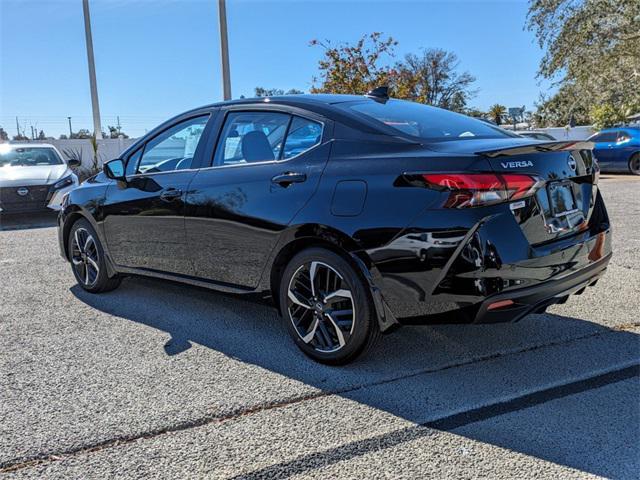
<point>70,131</point>
<point>97,128</point>
<point>224,50</point>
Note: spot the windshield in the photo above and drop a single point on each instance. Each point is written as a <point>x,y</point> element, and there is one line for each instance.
<point>29,157</point>
<point>425,122</point>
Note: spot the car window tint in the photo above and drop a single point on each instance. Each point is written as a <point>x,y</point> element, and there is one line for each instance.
<point>29,157</point>
<point>422,121</point>
<point>132,163</point>
<point>249,137</point>
<point>623,136</point>
<point>174,148</point>
<point>303,135</point>
<point>605,137</point>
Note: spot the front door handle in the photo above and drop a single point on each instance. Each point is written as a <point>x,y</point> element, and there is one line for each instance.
<point>170,194</point>
<point>287,178</point>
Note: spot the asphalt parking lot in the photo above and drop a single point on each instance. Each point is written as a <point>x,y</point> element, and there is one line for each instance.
<point>162,380</point>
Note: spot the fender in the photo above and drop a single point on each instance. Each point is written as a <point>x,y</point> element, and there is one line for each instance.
<point>299,237</point>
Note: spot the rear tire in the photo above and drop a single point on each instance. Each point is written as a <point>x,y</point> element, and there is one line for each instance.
<point>332,319</point>
<point>634,164</point>
<point>87,259</point>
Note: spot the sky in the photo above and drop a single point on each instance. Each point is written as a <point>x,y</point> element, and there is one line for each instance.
<point>157,58</point>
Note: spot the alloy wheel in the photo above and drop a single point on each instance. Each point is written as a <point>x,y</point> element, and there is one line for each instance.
<point>84,256</point>
<point>634,164</point>
<point>321,307</point>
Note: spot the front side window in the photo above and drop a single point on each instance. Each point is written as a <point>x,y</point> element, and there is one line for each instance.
<point>424,122</point>
<point>173,149</point>
<point>250,137</point>
<point>28,157</point>
<point>604,137</point>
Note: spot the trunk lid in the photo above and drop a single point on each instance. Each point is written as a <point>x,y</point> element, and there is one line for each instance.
<point>564,203</point>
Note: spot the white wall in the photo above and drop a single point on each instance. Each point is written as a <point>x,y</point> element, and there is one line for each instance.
<point>575,133</point>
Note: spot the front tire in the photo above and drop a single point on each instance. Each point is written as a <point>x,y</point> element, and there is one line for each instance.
<point>634,164</point>
<point>87,259</point>
<point>327,307</point>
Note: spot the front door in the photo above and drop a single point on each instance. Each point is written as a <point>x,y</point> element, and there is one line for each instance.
<point>266,166</point>
<point>604,148</point>
<point>144,217</point>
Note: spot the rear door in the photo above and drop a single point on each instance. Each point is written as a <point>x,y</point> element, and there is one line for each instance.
<point>144,217</point>
<point>266,165</point>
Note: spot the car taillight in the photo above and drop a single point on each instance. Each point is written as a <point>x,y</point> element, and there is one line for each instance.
<point>478,189</point>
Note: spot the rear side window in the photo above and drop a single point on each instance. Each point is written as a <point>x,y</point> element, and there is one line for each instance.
<point>303,135</point>
<point>251,137</point>
<point>254,137</point>
<point>623,136</point>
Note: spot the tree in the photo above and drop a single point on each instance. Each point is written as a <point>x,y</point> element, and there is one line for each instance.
<point>63,137</point>
<point>20,137</point>
<point>4,136</point>
<point>592,50</point>
<point>83,133</point>
<point>41,135</point>
<point>496,112</point>
<point>273,92</point>
<point>115,132</point>
<point>606,115</point>
<point>354,69</point>
<point>432,77</point>
<point>558,109</point>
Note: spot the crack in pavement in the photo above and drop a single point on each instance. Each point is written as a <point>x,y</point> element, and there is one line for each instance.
<point>359,448</point>
<point>19,464</point>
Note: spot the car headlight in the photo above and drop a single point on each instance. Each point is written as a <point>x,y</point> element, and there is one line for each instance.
<point>65,182</point>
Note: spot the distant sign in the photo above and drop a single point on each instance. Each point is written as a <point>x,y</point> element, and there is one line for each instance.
<point>515,112</point>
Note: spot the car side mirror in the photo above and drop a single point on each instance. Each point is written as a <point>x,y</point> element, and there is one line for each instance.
<point>115,170</point>
<point>74,162</point>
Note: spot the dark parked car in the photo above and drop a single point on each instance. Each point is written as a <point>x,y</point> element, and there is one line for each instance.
<point>354,214</point>
<point>618,149</point>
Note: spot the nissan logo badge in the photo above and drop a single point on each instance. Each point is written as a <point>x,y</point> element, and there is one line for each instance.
<point>572,163</point>
<point>22,191</point>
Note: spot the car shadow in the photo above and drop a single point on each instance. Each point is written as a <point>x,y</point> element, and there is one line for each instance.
<point>28,221</point>
<point>411,371</point>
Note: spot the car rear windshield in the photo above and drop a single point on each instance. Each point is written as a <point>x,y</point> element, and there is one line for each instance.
<point>29,157</point>
<point>424,122</point>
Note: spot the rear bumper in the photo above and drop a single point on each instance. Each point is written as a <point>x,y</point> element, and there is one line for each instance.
<point>532,299</point>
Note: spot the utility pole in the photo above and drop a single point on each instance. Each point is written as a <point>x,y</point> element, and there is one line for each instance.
<point>97,128</point>
<point>224,50</point>
<point>118,118</point>
<point>70,131</point>
<point>17,126</point>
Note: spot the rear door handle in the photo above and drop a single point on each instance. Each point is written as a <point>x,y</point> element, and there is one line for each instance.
<point>287,178</point>
<point>170,194</point>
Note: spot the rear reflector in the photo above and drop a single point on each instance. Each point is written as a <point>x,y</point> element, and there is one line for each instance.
<point>477,189</point>
<point>500,304</point>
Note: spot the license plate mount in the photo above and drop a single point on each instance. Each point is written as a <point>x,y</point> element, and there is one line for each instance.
<point>561,198</point>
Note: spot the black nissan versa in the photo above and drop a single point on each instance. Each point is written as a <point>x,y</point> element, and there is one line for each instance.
<point>354,214</point>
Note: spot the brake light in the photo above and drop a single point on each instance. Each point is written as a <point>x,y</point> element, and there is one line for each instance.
<point>478,189</point>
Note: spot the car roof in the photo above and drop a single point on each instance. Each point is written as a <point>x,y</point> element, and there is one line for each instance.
<point>302,100</point>
<point>617,129</point>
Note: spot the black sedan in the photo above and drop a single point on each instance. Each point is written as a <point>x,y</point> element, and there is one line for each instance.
<point>352,214</point>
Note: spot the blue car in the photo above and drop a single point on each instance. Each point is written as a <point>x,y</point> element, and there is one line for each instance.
<point>618,149</point>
